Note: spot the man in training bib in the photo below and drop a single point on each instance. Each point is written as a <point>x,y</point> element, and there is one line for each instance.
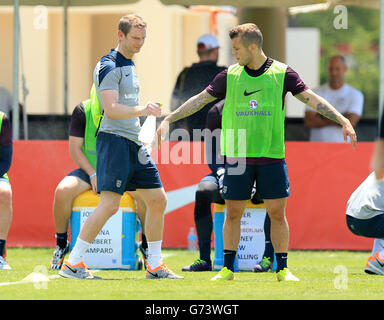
<point>252,138</point>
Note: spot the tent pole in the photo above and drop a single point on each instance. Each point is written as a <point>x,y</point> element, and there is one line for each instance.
<point>15,106</point>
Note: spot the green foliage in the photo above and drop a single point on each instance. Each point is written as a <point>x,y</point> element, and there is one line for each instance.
<point>362,36</point>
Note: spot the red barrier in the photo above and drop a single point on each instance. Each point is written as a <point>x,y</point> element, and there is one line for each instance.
<point>322,176</point>
<point>37,168</point>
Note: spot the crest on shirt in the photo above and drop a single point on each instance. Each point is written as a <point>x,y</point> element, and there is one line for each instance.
<point>253,104</point>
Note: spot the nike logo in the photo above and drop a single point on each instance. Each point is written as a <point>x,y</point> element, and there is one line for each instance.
<point>154,274</point>
<point>73,270</point>
<point>249,93</point>
<point>127,75</point>
<point>378,261</point>
<point>180,197</point>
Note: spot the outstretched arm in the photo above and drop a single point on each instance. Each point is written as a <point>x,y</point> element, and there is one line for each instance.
<point>191,106</point>
<point>323,107</point>
<point>313,119</point>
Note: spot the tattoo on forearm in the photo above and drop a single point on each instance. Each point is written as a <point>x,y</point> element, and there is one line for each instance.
<point>324,110</point>
<point>321,108</point>
<point>302,98</point>
<point>190,107</point>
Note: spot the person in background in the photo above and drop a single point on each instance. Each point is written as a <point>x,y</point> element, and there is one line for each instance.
<point>346,99</point>
<point>191,80</point>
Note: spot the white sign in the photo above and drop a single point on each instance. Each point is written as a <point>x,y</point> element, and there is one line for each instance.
<point>105,250</point>
<point>252,239</point>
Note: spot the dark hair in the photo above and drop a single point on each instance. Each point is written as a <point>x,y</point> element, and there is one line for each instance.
<point>339,56</point>
<point>248,33</point>
<point>129,21</point>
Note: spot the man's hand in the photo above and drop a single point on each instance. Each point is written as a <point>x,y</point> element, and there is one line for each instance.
<point>348,131</point>
<point>152,109</point>
<point>94,184</point>
<point>191,106</point>
<point>323,107</point>
<point>161,132</point>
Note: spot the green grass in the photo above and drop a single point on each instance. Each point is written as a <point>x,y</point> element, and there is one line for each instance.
<point>316,270</point>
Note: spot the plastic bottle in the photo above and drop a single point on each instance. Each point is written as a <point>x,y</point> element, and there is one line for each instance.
<point>148,132</point>
<point>192,239</point>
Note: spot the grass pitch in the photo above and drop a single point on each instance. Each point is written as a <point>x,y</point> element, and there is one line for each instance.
<point>324,275</point>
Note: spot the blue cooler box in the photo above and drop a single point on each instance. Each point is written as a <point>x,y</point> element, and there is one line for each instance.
<point>115,247</point>
<point>252,238</point>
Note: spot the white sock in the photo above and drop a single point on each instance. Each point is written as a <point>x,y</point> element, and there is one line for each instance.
<point>154,253</point>
<point>77,254</point>
<point>378,245</point>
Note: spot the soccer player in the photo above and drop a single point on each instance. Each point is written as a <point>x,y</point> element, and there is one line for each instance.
<point>119,151</point>
<point>6,151</point>
<point>82,149</point>
<point>365,207</point>
<point>209,191</point>
<point>252,138</point>
<point>365,218</point>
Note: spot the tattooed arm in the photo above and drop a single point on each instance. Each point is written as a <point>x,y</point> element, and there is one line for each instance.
<point>323,107</point>
<point>191,106</point>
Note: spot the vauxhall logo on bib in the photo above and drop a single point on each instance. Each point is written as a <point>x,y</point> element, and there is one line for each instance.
<point>253,106</point>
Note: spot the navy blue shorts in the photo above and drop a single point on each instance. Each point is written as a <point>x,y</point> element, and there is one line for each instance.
<point>369,228</point>
<point>81,174</point>
<point>272,181</point>
<point>122,165</point>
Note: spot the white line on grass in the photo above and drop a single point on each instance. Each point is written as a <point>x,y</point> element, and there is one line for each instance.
<point>26,281</point>
<point>56,276</point>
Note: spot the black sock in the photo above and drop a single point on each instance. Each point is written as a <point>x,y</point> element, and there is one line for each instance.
<point>205,250</point>
<point>281,259</point>
<point>2,247</point>
<point>144,242</point>
<point>229,259</point>
<point>61,240</point>
<point>268,251</point>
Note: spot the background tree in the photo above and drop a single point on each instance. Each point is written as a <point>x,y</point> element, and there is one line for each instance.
<point>359,43</point>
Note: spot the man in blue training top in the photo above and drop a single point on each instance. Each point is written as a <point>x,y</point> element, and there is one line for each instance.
<point>119,152</point>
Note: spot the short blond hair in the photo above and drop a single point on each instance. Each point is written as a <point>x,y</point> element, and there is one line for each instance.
<point>129,21</point>
<point>248,33</point>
